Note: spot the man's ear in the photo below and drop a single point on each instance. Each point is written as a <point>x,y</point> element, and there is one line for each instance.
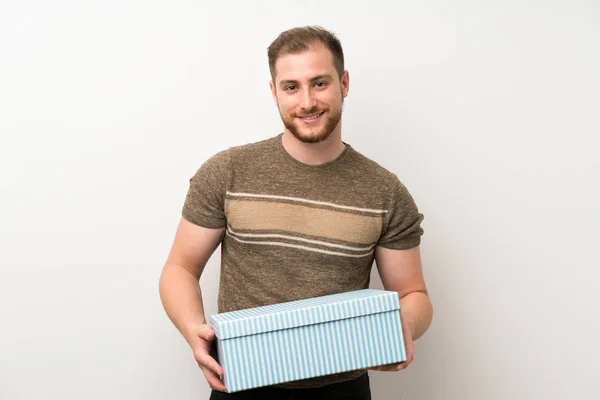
<point>273,92</point>
<point>345,83</point>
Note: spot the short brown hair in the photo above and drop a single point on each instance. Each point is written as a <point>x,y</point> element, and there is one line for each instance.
<point>301,39</point>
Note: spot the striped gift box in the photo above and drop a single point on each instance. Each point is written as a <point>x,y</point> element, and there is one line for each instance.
<point>307,338</point>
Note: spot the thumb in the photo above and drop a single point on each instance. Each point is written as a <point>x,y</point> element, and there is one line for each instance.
<point>206,333</point>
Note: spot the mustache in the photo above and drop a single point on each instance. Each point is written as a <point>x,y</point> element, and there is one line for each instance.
<point>314,110</point>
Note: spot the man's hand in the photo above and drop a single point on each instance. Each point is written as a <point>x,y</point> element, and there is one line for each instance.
<point>408,344</point>
<point>201,342</point>
<point>181,294</point>
<point>401,272</point>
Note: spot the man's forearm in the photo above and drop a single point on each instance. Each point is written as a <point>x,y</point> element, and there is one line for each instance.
<point>417,312</point>
<point>181,298</point>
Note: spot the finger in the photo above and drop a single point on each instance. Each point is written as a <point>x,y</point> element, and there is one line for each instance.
<point>403,365</point>
<point>206,333</point>
<point>207,361</point>
<point>388,367</point>
<point>409,345</point>
<point>410,355</point>
<point>214,381</point>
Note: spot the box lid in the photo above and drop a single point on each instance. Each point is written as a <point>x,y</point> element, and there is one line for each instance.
<point>303,312</point>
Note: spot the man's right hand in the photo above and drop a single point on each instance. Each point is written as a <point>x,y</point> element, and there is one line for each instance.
<point>201,342</point>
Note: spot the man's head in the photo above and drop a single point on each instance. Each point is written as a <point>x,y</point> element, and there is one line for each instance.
<point>308,80</point>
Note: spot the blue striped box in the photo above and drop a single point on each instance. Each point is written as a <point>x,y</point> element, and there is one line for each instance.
<point>307,338</point>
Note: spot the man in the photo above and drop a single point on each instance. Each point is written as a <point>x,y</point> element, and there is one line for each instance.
<point>301,214</point>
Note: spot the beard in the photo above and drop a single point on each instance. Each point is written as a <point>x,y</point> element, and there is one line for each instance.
<point>318,134</point>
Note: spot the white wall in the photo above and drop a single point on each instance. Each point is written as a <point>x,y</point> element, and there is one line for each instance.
<point>488,111</point>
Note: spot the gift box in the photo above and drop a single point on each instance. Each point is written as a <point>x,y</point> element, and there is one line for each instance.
<point>307,338</point>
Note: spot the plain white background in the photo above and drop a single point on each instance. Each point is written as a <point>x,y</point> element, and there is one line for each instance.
<point>488,112</point>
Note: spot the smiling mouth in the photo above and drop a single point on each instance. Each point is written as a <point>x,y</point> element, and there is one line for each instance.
<point>312,117</point>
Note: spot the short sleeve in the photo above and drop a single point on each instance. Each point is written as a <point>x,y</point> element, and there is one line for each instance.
<point>402,223</point>
<point>205,199</point>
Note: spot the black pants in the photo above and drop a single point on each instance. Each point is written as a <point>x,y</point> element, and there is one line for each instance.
<point>356,389</point>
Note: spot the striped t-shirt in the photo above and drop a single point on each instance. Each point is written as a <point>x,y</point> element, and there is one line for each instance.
<point>295,231</point>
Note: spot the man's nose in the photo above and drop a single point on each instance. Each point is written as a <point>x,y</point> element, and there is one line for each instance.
<point>308,101</point>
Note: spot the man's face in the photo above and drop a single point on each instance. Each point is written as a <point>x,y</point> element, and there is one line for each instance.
<point>309,93</point>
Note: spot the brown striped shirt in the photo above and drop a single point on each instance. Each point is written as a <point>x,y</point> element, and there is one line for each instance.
<point>295,231</point>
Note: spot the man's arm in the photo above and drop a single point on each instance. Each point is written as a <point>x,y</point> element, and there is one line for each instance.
<point>401,271</point>
<point>181,295</point>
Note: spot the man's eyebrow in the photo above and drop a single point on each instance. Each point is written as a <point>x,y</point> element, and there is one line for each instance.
<point>316,78</point>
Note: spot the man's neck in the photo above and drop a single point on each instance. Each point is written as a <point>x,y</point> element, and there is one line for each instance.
<point>314,153</point>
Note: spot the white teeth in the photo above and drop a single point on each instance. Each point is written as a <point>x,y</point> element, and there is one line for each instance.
<point>312,116</point>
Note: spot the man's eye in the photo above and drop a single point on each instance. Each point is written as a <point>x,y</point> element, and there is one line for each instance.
<point>291,87</point>
<point>322,84</point>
